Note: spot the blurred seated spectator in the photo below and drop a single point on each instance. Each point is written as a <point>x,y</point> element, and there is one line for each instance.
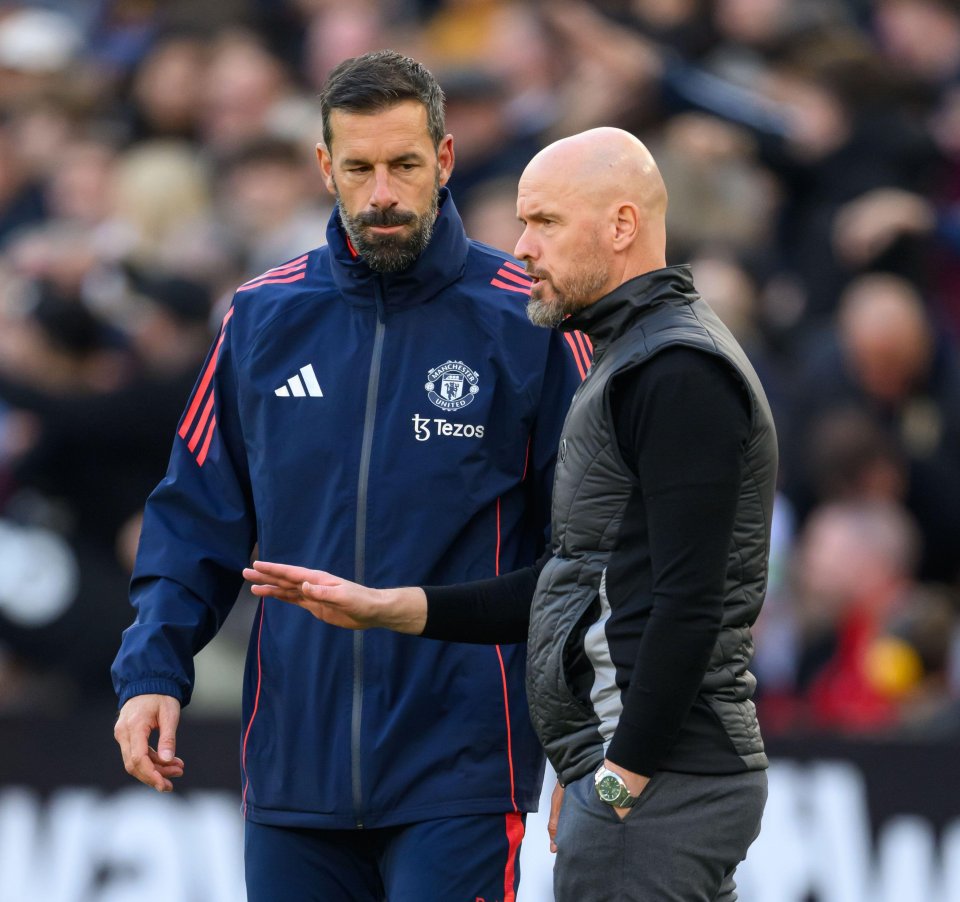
<point>487,144</point>
<point>160,190</point>
<point>919,38</point>
<point>885,224</point>
<point>851,457</point>
<point>490,213</point>
<point>37,46</point>
<point>270,203</point>
<point>884,359</point>
<point>852,577</point>
<point>719,195</point>
<point>80,188</point>
<point>866,227</point>
<point>102,403</point>
<point>731,288</point>
<point>21,199</point>
<point>89,452</point>
<point>913,661</point>
<point>164,101</point>
<point>243,90</point>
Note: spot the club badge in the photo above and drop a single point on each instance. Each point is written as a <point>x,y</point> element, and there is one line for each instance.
<point>452,385</point>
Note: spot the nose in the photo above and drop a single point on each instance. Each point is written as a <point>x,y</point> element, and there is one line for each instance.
<point>525,249</point>
<point>384,197</point>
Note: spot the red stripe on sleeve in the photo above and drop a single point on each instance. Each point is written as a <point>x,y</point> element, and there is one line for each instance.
<point>280,270</point>
<point>497,283</point>
<point>510,265</point>
<point>576,354</point>
<point>205,382</point>
<point>587,354</point>
<point>513,277</point>
<point>201,392</point>
<point>278,280</point>
<point>201,424</point>
<point>202,454</point>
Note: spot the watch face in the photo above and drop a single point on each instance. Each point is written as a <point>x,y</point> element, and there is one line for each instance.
<point>609,788</point>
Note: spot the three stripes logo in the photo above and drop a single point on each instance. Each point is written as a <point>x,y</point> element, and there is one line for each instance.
<point>298,387</point>
<point>293,271</point>
<point>512,277</point>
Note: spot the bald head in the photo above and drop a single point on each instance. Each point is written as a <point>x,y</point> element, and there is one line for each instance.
<point>604,166</point>
<point>593,206</point>
<point>886,335</point>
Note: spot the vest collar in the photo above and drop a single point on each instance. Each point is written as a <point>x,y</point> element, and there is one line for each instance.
<point>441,263</point>
<point>615,313</point>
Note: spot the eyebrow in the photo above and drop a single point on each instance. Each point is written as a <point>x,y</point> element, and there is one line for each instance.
<point>411,157</point>
<point>539,214</point>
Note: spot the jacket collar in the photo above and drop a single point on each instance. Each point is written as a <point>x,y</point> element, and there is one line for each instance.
<point>615,313</point>
<point>441,263</point>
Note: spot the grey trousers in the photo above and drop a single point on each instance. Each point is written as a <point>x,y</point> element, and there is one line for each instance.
<point>681,842</point>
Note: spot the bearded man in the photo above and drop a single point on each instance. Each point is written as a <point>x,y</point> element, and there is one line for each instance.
<point>379,406</point>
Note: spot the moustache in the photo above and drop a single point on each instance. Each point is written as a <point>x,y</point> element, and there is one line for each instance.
<point>386,218</point>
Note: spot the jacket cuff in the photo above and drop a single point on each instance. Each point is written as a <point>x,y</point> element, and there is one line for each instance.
<point>154,686</point>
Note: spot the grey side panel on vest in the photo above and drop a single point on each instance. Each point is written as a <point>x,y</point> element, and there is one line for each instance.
<point>604,694</point>
<point>567,729</point>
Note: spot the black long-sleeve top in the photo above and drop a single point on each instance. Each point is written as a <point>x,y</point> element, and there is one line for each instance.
<point>681,420</point>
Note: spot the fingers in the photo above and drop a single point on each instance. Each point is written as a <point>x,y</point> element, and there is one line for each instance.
<point>266,590</point>
<point>169,719</point>
<point>139,717</point>
<point>167,770</point>
<point>286,575</point>
<point>283,581</point>
<point>270,580</point>
<point>556,801</point>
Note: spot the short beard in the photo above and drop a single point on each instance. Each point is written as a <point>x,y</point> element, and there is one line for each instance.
<point>582,288</point>
<point>390,253</point>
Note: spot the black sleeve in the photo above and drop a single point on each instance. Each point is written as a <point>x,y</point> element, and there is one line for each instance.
<point>682,420</point>
<point>485,612</point>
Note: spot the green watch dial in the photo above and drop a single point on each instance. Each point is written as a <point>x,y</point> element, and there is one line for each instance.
<point>609,788</point>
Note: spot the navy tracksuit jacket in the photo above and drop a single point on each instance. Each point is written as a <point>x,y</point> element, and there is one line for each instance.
<point>393,429</point>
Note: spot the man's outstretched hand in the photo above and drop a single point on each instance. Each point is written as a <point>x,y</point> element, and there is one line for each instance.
<point>139,717</point>
<point>340,602</point>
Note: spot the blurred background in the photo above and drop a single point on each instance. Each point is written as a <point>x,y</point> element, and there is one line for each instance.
<point>154,155</point>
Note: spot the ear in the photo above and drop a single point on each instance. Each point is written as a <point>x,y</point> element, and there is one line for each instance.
<point>626,226</point>
<point>445,158</point>
<point>326,167</point>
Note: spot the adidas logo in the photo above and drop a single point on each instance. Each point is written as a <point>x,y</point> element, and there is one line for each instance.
<point>300,388</point>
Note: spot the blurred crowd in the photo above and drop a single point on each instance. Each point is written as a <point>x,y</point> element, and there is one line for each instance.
<point>154,155</point>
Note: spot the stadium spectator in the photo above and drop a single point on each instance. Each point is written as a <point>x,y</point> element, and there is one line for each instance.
<point>885,359</point>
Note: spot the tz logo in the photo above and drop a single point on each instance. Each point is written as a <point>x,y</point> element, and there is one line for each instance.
<point>452,385</point>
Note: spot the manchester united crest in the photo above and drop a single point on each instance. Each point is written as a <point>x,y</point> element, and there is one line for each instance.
<point>452,385</point>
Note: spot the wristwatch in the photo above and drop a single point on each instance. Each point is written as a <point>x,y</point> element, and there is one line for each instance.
<point>612,789</point>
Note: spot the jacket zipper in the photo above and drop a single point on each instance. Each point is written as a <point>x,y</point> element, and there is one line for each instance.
<point>360,549</point>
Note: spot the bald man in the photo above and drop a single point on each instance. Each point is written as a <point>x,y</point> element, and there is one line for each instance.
<point>639,620</point>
